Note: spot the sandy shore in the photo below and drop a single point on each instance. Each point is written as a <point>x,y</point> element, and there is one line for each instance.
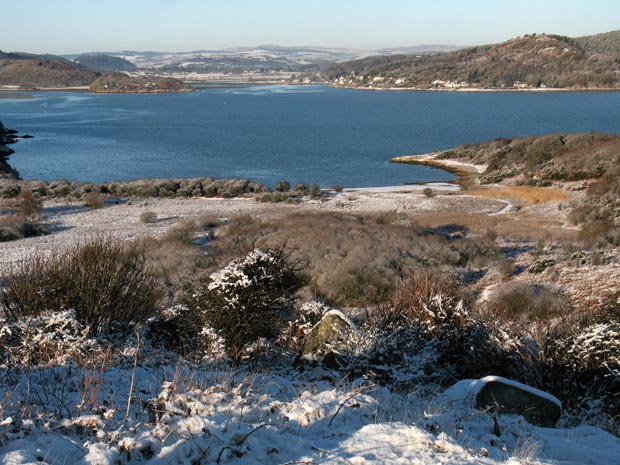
<point>458,168</point>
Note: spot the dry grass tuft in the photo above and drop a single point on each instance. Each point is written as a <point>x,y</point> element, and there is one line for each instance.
<point>532,195</point>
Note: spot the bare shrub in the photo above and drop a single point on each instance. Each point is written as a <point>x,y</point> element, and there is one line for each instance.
<point>428,192</point>
<point>176,265</point>
<point>283,186</point>
<point>427,335</point>
<point>207,221</point>
<point>315,191</point>
<point>51,338</point>
<point>250,298</point>
<point>148,217</point>
<point>24,219</point>
<point>94,199</point>
<point>352,259</point>
<point>506,267</point>
<point>28,205</point>
<point>582,367</point>
<point>15,227</point>
<point>104,281</point>
<point>521,301</point>
<point>183,232</point>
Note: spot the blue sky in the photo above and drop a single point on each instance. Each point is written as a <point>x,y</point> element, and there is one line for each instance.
<point>73,26</point>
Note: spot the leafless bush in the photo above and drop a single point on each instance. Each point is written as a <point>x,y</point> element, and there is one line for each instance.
<point>428,192</point>
<point>24,217</point>
<point>176,265</point>
<point>104,281</point>
<point>94,199</point>
<point>426,334</point>
<point>183,232</point>
<point>148,217</point>
<point>352,259</point>
<point>526,302</point>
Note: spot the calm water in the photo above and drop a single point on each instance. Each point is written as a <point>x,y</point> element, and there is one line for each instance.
<point>312,134</point>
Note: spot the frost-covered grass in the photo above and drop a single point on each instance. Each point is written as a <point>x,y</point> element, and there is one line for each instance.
<point>169,389</point>
<point>207,414</point>
<point>70,397</point>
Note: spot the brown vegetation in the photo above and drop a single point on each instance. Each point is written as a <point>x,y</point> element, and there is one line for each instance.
<point>352,259</point>
<point>123,83</point>
<point>104,281</point>
<point>39,72</point>
<point>534,61</point>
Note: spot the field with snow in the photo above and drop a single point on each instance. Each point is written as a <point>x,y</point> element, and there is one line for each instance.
<point>70,396</point>
<point>183,414</point>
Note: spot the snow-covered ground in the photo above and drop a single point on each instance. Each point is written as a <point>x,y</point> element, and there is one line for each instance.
<point>183,415</point>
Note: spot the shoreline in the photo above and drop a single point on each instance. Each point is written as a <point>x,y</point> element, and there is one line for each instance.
<point>465,172</point>
<point>476,89</point>
<point>201,85</point>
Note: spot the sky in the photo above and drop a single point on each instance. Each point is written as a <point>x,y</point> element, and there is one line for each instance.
<point>77,26</point>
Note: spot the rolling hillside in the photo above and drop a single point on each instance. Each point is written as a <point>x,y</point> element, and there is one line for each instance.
<point>28,71</point>
<point>105,63</point>
<point>531,61</point>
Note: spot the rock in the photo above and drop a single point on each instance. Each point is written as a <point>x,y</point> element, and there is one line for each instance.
<point>326,340</point>
<point>507,396</point>
<point>7,136</point>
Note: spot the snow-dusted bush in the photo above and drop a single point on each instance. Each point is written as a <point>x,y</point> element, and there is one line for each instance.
<point>583,367</point>
<point>427,335</point>
<point>250,298</point>
<point>311,313</point>
<point>178,329</point>
<point>104,281</point>
<point>52,338</point>
<point>523,301</point>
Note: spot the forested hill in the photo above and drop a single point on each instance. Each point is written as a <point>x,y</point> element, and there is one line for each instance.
<point>531,61</point>
<point>105,63</point>
<point>29,71</point>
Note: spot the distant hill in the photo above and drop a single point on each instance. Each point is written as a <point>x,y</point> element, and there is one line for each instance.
<point>606,43</point>
<point>122,83</point>
<point>532,61</point>
<point>263,58</point>
<point>419,50</point>
<point>28,71</point>
<point>105,63</point>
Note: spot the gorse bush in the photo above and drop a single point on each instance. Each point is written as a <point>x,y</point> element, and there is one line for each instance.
<point>249,299</point>
<point>105,282</point>
<point>51,338</point>
<point>24,219</point>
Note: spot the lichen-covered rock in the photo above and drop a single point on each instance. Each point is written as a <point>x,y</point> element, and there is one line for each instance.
<point>507,396</point>
<point>325,341</point>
